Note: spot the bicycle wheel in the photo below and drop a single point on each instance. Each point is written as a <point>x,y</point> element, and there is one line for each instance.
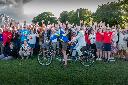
<point>59,55</point>
<point>87,59</point>
<point>44,60</point>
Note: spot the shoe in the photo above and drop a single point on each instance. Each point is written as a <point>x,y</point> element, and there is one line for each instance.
<point>111,59</point>
<point>97,59</point>
<point>100,59</point>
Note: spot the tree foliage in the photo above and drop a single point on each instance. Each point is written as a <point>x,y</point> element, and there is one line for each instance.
<point>109,13</point>
<point>46,16</point>
<point>74,17</point>
<point>112,13</point>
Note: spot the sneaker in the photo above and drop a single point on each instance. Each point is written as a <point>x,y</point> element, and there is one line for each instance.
<point>100,59</point>
<point>97,59</point>
<point>111,59</point>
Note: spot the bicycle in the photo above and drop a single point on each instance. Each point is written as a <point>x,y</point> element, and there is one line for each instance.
<point>45,58</point>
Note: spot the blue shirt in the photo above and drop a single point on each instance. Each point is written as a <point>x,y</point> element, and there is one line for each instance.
<point>24,34</point>
<point>53,38</point>
<point>61,34</point>
<point>1,37</point>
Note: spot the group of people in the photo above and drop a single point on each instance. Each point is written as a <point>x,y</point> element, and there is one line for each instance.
<point>20,40</point>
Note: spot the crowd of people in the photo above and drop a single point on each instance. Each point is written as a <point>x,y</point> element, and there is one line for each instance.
<point>24,40</point>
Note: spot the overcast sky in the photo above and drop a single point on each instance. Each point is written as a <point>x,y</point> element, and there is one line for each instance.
<point>57,6</point>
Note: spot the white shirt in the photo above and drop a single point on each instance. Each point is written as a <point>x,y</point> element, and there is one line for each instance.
<point>115,38</point>
<point>121,38</point>
<point>32,38</point>
<point>80,38</point>
<point>92,38</point>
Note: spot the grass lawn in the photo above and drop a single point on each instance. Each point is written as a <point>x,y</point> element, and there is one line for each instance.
<point>29,72</point>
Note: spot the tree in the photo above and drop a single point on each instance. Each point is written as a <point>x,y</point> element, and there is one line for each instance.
<point>73,17</point>
<point>64,17</point>
<point>124,11</point>
<point>76,16</point>
<point>109,13</point>
<point>46,16</point>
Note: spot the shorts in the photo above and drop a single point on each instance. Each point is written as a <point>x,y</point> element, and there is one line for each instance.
<point>106,47</point>
<point>64,45</point>
<point>45,45</point>
<point>99,45</point>
<point>54,45</point>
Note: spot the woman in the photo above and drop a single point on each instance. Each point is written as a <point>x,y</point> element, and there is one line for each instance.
<point>99,43</point>
<point>107,41</point>
<point>114,42</point>
<point>92,38</point>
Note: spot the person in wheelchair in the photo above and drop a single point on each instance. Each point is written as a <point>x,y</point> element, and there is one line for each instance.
<point>25,50</point>
<point>81,44</point>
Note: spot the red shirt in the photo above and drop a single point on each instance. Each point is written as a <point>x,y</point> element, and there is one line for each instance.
<point>7,36</point>
<point>87,39</point>
<point>99,37</point>
<point>107,37</point>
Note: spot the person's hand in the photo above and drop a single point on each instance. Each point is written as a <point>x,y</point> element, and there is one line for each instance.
<point>2,44</point>
<point>69,42</point>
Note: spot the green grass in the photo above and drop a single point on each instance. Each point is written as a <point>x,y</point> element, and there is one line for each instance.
<point>29,72</point>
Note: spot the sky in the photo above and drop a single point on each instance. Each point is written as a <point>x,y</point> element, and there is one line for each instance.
<point>57,6</point>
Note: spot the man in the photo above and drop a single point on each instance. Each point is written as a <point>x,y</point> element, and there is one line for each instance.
<point>64,41</point>
<point>7,37</point>
<point>32,40</point>
<point>24,32</point>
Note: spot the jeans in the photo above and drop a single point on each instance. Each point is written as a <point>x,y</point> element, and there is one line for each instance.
<point>1,47</point>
